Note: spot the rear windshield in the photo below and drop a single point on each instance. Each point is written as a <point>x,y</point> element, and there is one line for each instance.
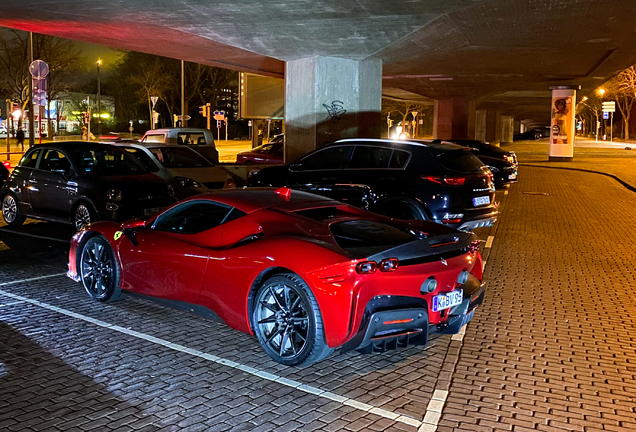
<point>460,160</point>
<point>364,237</point>
<point>175,157</point>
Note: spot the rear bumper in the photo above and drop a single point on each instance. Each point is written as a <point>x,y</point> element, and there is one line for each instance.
<point>398,328</point>
<point>479,223</point>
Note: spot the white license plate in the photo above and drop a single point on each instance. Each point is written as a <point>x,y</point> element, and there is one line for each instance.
<point>445,301</point>
<point>481,201</point>
<point>512,176</point>
<point>151,211</point>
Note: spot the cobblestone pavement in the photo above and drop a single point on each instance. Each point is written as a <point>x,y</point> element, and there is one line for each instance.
<point>550,349</point>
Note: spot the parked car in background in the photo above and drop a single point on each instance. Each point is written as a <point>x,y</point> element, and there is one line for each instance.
<point>502,163</point>
<point>187,171</point>
<point>334,275</point>
<point>3,131</point>
<point>79,183</point>
<point>199,139</point>
<point>265,154</point>
<point>412,179</point>
<point>532,134</point>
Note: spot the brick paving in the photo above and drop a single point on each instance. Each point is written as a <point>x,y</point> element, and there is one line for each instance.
<point>550,350</point>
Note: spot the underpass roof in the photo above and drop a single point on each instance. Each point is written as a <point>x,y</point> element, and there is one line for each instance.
<point>502,53</point>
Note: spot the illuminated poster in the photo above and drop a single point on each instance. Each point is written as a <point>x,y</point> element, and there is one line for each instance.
<point>562,123</point>
<point>562,118</point>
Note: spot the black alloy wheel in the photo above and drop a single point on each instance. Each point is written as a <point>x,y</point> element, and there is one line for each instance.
<point>99,271</point>
<point>287,321</point>
<point>11,211</point>
<point>83,216</point>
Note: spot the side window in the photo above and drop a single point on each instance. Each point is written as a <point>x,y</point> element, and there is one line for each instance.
<point>399,159</point>
<point>191,139</point>
<point>30,159</point>
<point>370,157</point>
<point>196,216</point>
<point>154,138</point>
<point>329,158</point>
<point>143,157</point>
<point>56,161</point>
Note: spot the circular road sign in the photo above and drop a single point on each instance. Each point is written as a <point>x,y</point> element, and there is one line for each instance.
<point>39,69</point>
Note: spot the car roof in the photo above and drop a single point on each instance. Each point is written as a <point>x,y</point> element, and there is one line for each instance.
<point>184,129</point>
<point>254,199</point>
<point>72,145</point>
<point>394,143</point>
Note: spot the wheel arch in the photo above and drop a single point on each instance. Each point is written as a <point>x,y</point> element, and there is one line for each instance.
<point>256,284</point>
<point>82,200</point>
<point>404,198</point>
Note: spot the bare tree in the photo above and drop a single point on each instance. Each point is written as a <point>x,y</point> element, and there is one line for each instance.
<point>590,107</point>
<point>623,88</point>
<point>404,110</point>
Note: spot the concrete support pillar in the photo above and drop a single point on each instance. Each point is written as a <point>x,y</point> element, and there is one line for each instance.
<point>480,124</point>
<point>328,98</point>
<point>454,119</point>
<point>507,128</point>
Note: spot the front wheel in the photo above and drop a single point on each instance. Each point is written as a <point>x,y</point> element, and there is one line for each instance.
<point>83,216</point>
<point>99,271</point>
<point>11,210</point>
<point>288,322</point>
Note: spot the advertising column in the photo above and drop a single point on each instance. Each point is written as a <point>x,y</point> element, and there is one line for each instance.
<point>562,123</point>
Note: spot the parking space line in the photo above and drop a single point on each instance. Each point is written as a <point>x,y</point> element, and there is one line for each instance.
<point>489,241</point>
<point>11,303</point>
<point>33,235</point>
<point>229,363</point>
<point>32,279</point>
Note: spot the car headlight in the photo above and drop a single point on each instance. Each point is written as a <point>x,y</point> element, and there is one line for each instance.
<point>114,195</point>
<point>187,182</point>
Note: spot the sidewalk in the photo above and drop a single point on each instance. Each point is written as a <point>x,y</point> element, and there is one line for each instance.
<point>610,159</point>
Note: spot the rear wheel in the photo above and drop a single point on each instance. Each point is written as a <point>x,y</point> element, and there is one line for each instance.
<point>11,210</point>
<point>288,322</point>
<point>99,271</point>
<point>402,208</point>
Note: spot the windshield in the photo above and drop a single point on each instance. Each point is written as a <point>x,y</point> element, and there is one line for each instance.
<point>179,157</point>
<point>106,161</point>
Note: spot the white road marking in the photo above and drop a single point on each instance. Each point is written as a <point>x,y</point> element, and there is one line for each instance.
<point>489,241</point>
<point>34,235</point>
<point>506,192</point>
<point>10,304</point>
<point>229,363</point>
<point>32,279</point>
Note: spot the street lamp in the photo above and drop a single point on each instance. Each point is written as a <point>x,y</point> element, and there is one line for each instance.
<point>99,101</point>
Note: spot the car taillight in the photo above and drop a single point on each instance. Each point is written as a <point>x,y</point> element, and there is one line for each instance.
<point>386,265</point>
<point>474,246</point>
<point>7,164</point>
<point>366,267</point>
<point>450,181</point>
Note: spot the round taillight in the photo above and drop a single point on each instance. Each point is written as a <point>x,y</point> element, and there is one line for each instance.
<point>388,265</point>
<point>366,267</point>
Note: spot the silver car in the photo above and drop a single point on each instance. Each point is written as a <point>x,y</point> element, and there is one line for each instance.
<point>187,171</point>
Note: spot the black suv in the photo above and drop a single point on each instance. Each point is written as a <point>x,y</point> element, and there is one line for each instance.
<point>444,183</point>
<point>79,183</point>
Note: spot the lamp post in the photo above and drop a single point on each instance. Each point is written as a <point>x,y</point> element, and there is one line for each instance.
<point>99,101</point>
<point>601,92</point>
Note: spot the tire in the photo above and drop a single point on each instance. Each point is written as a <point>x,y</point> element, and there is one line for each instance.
<point>287,321</point>
<point>403,208</point>
<point>83,215</point>
<point>11,211</point>
<point>99,270</point>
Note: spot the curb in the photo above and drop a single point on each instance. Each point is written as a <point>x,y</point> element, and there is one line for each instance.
<point>618,179</point>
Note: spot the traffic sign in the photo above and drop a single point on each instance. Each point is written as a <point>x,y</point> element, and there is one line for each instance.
<point>219,115</point>
<point>184,117</point>
<point>609,106</point>
<point>39,69</point>
<point>605,115</point>
<point>219,123</point>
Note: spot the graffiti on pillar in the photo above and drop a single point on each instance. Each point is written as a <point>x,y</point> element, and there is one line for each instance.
<point>335,110</point>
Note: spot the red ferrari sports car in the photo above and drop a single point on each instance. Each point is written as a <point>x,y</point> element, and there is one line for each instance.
<point>305,273</point>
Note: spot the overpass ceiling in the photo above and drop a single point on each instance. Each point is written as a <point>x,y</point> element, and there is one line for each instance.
<point>491,51</point>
